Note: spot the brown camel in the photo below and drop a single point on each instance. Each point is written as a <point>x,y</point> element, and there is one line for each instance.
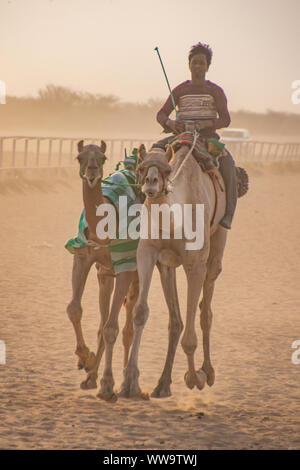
<point>91,159</point>
<point>190,185</point>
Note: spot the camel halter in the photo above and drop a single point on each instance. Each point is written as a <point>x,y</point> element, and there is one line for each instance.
<point>196,135</point>
<point>163,174</point>
<point>171,180</point>
<point>165,179</point>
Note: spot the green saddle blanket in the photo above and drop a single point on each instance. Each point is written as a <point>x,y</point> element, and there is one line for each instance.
<point>122,251</point>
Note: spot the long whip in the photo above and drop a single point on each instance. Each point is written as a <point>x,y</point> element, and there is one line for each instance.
<point>172,97</point>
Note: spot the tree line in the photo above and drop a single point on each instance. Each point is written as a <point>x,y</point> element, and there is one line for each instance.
<point>58,110</point>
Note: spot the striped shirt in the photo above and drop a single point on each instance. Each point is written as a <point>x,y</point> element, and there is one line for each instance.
<point>198,102</point>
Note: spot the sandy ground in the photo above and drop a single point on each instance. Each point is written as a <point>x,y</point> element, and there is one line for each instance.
<point>255,402</point>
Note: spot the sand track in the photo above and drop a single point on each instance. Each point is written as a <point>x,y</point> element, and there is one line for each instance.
<point>255,400</point>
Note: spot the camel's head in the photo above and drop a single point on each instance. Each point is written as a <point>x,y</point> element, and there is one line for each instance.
<point>91,160</point>
<point>153,171</point>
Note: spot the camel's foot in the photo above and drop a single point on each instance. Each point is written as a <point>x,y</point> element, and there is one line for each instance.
<point>90,382</point>
<point>210,374</point>
<point>161,391</point>
<point>106,391</point>
<point>130,387</point>
<point>197,378</point>
<point>109,397</point>
<point>133,394</point>
<point>87,359</point>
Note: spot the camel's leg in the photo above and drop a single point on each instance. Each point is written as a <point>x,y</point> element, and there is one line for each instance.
<point>82,263</point>
<point>195,278</point>
<point>106,285</point>
<point>214,268</point>
<point>130,302</point>
<point>110,333</point>
<point>146,260</point>
<point>168,280</point>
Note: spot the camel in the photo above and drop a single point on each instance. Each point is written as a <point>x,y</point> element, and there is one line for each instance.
<point>190,185</point>
<point>91,160</point>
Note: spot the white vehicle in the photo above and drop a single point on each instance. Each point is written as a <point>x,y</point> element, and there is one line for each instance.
<point>235,135</point>
<point>238,141</point>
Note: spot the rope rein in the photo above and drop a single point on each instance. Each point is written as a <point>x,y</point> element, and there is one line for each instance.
<point>196,135</point>
<point>121,184</point>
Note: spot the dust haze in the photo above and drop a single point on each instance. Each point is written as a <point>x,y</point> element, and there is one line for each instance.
<point>64,112</point>
<point>51,56</point>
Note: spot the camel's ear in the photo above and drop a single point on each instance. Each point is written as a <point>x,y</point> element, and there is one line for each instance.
<point>80,146</point>
<point>170,152</point>
<point>142,152</point>
<point>103,146</point>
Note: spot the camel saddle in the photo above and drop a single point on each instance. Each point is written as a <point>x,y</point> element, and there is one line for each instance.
<point>207,152</point>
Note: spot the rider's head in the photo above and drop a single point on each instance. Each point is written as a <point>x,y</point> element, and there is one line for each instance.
<point>203,49</point>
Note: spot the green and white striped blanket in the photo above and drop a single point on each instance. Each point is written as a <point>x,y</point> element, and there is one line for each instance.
<point>122,251</point>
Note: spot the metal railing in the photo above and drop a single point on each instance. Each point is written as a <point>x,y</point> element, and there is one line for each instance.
<point>22,152</point>
<point>265,152</point>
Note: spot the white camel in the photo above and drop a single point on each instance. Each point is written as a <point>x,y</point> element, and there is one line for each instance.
<point>193,186</point>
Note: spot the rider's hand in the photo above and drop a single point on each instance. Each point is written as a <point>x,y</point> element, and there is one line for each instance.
<point>175,126</point>
<point>179,126</point>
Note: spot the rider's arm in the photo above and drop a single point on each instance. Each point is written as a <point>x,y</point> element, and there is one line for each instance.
<point>221,104</point>
<point>165,111</point>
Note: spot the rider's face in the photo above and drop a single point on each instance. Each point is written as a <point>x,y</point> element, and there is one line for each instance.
<point>198,66</point>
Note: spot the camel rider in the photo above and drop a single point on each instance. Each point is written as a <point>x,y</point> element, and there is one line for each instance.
<point>202,101</point>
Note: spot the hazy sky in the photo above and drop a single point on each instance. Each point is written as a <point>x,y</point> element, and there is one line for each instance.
<point>107,47</point>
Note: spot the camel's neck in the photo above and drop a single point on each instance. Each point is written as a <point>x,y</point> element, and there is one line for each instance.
<point>92,198</point>
<point>187,178</point>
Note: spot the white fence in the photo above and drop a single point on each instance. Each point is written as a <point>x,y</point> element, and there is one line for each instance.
<point>60,152</point>
<point>55,152</point>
